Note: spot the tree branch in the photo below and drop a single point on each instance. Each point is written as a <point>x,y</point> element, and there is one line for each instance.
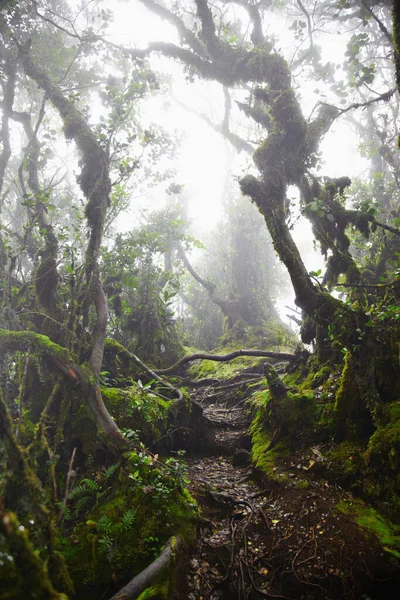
<point>186,35</point>
<point>237,142</point>
<point>257,36</point>
<point>309,24</point>
<point>381,25</point>
<point>208,34</point>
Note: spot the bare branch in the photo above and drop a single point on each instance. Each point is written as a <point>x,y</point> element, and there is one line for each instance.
<point>186,35</point>
<point>257,36</point>
<point>381,25</point>
<point>56,25</point>
<point>309,24</point>
<point>237,142</point>
<point>381,98</point>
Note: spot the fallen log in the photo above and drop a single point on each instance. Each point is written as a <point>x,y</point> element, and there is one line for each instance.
<point>153,572</point>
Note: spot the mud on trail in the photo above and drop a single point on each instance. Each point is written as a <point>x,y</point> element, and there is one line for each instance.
<point>258,538</point>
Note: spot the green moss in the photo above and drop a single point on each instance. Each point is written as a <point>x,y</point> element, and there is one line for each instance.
<point>352,413</point>
<point>268,461</point>
<point>321,376</point>
<point>346,461</point>
<point>261,436</point>
<point>223,370</point>
<point>302,485</point>
<point>370,519</point>
<point>144,413</point>
<point>298,414</point>
<point>384,445</point>
<point>12,341</point>
<point>157,592</point>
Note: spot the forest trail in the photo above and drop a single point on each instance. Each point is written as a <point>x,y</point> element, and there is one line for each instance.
<point>259,538</point>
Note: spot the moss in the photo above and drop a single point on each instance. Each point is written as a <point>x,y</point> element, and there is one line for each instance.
<point>33,576</point>
<point>370,519</point>
<point>225,370</point>
<point>132,409</point>
<point>12,341</point>
<point>321,376</point>
<point>302,485</point>
<point>268,461</point>
<point>346,461</point>
<point>157,592</point>
<point>353,418</point>
<point>384,445</point>
<point>298,414</point>
<point>261,437</point>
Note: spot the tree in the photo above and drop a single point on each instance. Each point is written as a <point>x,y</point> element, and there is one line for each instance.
<point>288,156</point>
<point>54,309</point>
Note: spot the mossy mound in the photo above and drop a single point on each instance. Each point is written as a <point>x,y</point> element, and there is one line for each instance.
<point>138,412</point>
<point>368,518</point>
<point>130,521</point>
<point>371,469</point>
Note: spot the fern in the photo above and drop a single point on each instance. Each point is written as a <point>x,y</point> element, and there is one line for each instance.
<point>127,519</point>
<point>92,485</point>
<point>80,505</point>
<point>65,512</point>
<point>77,491</point>
<point>105,542</point>
<point>105,524</point>
<point>110,470</point>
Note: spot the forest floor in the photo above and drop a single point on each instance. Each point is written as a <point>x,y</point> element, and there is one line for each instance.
<point>260,538</point>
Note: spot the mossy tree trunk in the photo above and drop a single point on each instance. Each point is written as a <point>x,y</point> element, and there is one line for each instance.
<point>95,183</point>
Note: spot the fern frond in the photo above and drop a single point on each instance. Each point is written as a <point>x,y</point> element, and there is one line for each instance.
<point>78,490</point>
<point>82,502</point>
<point>91,484</point>
<point>128,518</point>
<point>104,524</point>
<point>111,469</point>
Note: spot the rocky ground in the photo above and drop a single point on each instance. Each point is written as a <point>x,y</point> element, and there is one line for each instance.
<point>259,538</point>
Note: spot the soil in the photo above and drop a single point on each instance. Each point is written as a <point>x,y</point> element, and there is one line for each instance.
<point>259,538</point>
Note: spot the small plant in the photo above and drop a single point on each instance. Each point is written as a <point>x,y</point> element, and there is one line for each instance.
<point>110,531</point>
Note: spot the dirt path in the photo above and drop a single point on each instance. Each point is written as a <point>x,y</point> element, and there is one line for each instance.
<point>271,540</point>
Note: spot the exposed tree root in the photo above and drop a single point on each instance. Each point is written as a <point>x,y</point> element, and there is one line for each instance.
<point>225,357</point>
<point>153,572</point>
